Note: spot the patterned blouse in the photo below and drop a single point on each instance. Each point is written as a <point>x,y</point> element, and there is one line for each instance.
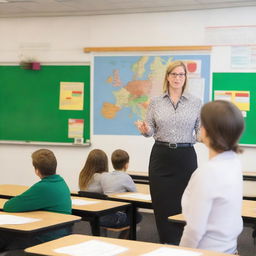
<point>174,124</point>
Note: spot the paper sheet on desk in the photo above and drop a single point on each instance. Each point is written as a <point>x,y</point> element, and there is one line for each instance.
<point>137,196</point>
<point>92,248</point>
<point>163,251</point>
<point>6,219</point>
<point>83,202</point>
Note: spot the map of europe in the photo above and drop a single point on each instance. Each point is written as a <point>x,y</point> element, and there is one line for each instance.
<point>123,87</point>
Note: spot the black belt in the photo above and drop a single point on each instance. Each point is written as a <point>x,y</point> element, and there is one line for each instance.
<point>174,145</point>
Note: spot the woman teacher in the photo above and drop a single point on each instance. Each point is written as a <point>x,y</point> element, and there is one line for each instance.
<point>173,120</point>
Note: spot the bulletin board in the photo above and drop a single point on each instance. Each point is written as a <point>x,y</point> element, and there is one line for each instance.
<point>242,87</point>
<point>30,104</point>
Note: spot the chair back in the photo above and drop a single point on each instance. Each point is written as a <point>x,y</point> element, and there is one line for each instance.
<point>92,195</point>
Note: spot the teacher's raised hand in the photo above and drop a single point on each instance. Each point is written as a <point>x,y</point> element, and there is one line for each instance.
<point>142,126</point>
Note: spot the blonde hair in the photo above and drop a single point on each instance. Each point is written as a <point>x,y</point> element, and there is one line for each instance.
<point>169,69</point>
<point>96,162</point>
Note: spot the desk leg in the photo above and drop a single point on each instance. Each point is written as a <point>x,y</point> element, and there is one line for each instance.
<point>254,234</point>
<point>95,226</point>
<point>132,216</point>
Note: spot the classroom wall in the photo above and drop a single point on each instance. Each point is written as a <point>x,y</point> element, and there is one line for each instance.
<point>62,39</point>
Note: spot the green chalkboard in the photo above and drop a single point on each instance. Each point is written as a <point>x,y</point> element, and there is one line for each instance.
<point>240,82</point>
<point>29,103</point>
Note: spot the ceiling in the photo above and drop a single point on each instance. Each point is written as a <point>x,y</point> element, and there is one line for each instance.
<point>37,8</point>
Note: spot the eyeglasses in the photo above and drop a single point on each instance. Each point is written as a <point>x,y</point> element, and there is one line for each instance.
<point>180,75</point>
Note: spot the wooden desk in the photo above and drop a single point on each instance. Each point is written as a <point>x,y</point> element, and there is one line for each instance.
<point>2,202</point>
<point>142,177</point>
<point>135,248</point>
<point>139,177</point>
<point>248,213</point>
<point>10,190</point>
<point>138,174</point>
<point>21,235</point>
<point>178,218</point>
<point>92,212</point>
<point>48,221</point>
<point>249,191</point>
<point>143,188</point>
<point>74,193</point>
<point>249,176</point>
<point>138,202</point>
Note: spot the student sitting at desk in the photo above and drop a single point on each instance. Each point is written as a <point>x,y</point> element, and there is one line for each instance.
<point>95,167</point>
<point>91,179</point>
<point>212,201</point>
<point>118,181</point>
<point>51,194</point>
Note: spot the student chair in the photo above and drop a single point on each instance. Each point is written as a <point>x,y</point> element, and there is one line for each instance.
<point>94,195</point>
<point>124,231</point>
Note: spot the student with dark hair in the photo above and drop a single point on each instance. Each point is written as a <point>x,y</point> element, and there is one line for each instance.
<point>120,159</point>
<point>51,194</point>
<point>118,181</point>
<point>212,201</point>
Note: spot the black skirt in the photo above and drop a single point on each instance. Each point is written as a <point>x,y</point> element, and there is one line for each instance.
<point>169,173</point>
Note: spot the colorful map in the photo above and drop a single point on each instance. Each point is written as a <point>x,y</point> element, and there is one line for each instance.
<point>124,85</point>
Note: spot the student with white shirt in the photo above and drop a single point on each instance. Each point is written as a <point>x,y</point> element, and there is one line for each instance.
<point>212,201</point>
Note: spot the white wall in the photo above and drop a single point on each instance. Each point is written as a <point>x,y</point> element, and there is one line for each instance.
<point>62,40</point>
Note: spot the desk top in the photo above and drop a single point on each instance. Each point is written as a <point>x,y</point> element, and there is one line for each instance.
<point>135,248</point>
<point>2,202</point>
<point>131,197</point>
<point>142,174</point>
<point>97,204</point>
<point>145,174</point>
<point>11,190</point>
<point>249,174</point>
<point>177,218</point>
<point>139,177</point>
<point>248,210</point>
<point>142,188</point>
<point>46,220</point>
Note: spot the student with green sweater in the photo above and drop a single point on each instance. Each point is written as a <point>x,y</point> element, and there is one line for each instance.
<point>51,194</point>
